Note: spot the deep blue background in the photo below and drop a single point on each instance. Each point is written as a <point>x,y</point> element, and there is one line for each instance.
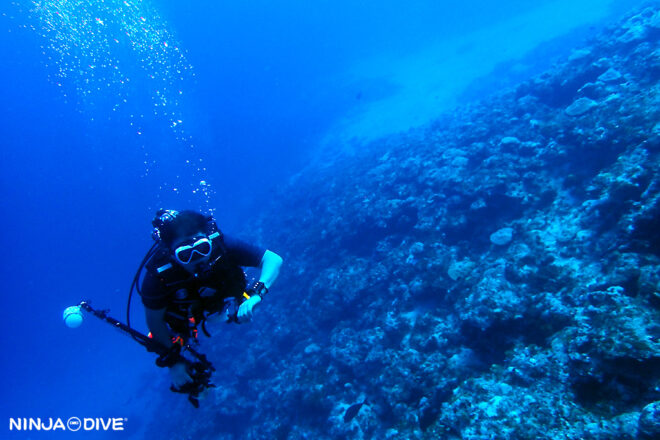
<point>273,81</point>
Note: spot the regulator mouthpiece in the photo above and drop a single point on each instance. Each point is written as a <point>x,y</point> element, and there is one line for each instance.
<point>73,316</point>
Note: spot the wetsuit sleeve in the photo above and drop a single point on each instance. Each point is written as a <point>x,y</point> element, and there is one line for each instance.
<point>243,253</point>
<point>154,296</point>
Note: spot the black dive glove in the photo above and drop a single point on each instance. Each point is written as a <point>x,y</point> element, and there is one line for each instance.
<point>169,358</point>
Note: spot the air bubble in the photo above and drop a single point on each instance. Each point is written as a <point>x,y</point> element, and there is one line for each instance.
<point>82,52</point>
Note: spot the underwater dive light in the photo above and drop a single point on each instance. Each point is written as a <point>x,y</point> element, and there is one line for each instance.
<point>72,316</point>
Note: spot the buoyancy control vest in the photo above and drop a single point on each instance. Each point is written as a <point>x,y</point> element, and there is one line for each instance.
<point>192,297</point>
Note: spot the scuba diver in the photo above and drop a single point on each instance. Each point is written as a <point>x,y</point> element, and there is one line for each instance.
<point>193,276</point>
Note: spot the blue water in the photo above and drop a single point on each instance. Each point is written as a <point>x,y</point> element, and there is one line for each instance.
<point>276,86</point>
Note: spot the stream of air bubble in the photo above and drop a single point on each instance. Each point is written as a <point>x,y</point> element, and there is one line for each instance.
<point>104,51</point>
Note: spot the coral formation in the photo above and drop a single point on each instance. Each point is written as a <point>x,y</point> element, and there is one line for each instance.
<point>493,275</point>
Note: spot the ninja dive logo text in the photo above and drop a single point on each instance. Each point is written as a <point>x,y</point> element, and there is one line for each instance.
<point>72,424</point>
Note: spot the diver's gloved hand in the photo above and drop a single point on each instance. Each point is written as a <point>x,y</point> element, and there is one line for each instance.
<point>179,375</point>
<point>245,310</point>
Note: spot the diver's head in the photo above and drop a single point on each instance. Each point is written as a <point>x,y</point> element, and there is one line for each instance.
<point>185,233</point>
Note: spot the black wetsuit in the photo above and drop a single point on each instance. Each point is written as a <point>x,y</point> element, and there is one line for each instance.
<point>168,285</point>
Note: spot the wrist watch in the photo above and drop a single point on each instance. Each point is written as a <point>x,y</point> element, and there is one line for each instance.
<point>259,289</point>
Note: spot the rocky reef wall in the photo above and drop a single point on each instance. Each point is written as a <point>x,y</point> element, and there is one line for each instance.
<point>493,275</point>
